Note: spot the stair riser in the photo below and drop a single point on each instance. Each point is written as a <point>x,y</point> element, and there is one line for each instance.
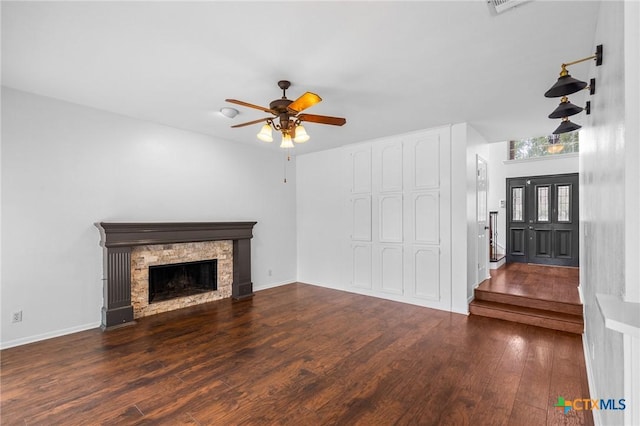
<point>547,305</point>
<point>553,324</point>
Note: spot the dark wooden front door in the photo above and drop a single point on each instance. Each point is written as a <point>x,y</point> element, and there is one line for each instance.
<point>542,220</point>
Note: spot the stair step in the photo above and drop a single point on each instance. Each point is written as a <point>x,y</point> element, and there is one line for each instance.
<point>526,315</point>
<point>527,302</point>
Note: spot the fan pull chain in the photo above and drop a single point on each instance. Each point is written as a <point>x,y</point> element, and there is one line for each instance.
<point>284,163</point>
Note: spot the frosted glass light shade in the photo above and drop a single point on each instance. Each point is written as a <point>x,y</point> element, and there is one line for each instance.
<point>265,134</point>
<point>286,141</point>
<point>301,135</point>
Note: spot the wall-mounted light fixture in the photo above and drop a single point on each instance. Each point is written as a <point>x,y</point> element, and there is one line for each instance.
<point>567,85</point>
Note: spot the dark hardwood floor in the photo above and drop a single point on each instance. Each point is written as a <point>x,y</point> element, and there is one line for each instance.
<point>299,355</point>
<point>542,282</point>
<point>538,295</point>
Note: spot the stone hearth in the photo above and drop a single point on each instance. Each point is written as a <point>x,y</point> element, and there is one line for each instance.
<point>129,246</point>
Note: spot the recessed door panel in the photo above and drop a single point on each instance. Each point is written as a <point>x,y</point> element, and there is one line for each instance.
<point>361,220</point>
<point>563,243</point>
<point>427,273</point>
<point>391,218</point>
<point>518,241</point>
<point>426,208</point>
<point>391,269</point>
<point>542,247</point>
<point>361,266</point>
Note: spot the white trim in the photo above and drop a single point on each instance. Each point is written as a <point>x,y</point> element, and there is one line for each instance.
<point>597,421</point>
<point>272,285</point>
<point>544,158</point>
<point>619,315</point>
<point>631,347</point>
<point>581,296</point>
<point>48,335</point>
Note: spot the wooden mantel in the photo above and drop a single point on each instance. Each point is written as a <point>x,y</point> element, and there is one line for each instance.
<point>118,238</point>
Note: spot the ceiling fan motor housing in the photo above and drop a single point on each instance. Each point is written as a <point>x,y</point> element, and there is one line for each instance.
<point>280,105</point>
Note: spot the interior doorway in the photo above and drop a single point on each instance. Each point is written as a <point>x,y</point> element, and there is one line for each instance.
<point>542,220</point>
<point>482,219</point>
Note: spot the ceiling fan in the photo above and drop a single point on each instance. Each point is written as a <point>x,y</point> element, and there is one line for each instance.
<point>289,117</point>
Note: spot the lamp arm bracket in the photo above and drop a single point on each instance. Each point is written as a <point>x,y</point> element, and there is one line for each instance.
<point>566,64</point>
<point>597,56</point>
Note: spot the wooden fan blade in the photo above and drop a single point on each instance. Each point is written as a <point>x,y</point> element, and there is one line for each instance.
<point>303,102</point>
<point>247,104</point>
<point>251,122</point>
<point>322,119</point>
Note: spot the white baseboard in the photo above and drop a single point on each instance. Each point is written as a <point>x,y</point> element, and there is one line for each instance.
<point>580,294</point>
<point>48,335</point>
<point>597,421</point>
<point>498,264</point>
<point>271,285</point>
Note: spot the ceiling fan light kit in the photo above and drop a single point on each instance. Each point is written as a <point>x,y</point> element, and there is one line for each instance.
<point>265,134</point>
<point>567,85</point>
<point>286,141</point>
<point>287,118</point>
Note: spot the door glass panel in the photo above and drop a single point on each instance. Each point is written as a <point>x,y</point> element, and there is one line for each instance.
<point>517,204</point>
<point>542,203</point>
<point>564,203</point>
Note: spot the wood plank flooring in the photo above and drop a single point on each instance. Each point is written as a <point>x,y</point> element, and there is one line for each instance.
<point>540,282</point>
<point>544,296</point>
<point>298,355</point>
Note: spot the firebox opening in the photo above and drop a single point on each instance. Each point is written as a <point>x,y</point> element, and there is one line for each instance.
<point>182,279</point>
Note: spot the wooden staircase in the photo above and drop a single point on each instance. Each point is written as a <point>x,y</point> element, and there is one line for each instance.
<point>496,302</point>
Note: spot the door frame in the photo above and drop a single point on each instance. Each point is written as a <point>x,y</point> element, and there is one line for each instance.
<point>525,233</point>
<point>482,227</point>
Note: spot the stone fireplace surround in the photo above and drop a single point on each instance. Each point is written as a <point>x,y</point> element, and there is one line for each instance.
<point>118,240</point>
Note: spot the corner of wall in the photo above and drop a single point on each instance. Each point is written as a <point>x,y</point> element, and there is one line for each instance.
<point>459,244</point>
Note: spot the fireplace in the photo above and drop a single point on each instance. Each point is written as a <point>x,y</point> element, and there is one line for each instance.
<point>168,282</point>
<point>130,249</point>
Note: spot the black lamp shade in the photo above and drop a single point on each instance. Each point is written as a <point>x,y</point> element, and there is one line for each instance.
<point>565,85</point>
<point>565,109</point>
<point>566,126</point>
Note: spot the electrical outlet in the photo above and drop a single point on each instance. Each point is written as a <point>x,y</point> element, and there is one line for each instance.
<point>17,316</point>
<point>270,272</point>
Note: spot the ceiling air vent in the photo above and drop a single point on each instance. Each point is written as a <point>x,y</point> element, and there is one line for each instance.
<point>499,6</point>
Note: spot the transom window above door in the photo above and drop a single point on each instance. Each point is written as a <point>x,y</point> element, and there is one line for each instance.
<point>544,146</point>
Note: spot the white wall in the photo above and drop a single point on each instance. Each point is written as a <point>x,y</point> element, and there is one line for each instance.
<point>603,151</point>
<point>500,169</point>
<point>65,167</point>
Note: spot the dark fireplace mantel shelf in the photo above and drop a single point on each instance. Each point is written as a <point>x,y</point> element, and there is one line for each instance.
<point>117,239</point>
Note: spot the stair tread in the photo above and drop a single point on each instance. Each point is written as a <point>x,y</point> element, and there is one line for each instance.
<point>521,296</point>
<point>542,313</point>
<point>529,302</point>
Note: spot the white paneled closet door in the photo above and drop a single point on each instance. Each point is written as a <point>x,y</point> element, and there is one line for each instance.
<point>428,219</point>
<point>361,218</point>
<point>400,216</point>
<point>388,243</point>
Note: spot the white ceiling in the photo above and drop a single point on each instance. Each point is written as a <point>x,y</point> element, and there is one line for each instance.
<point>388,67</point>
